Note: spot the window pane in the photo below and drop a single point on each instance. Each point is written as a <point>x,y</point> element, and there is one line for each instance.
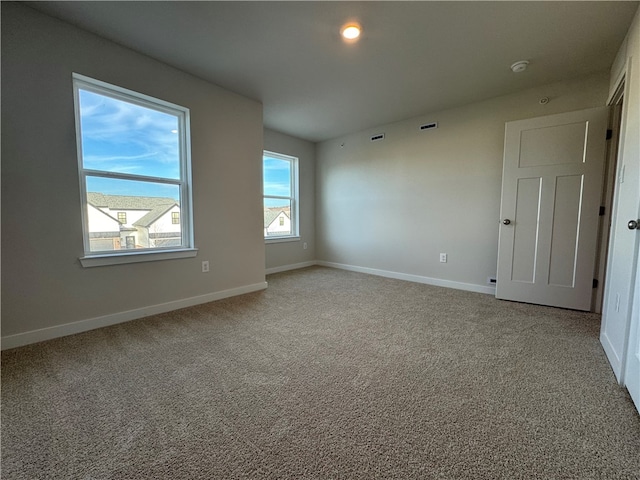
<point>277,217</point>
<point>126,215</point>
<point>119,136</point>
<point>277,177</point>
<point>114,186</point>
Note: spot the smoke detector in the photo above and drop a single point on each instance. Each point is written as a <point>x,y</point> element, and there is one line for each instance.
<point>520,66</point>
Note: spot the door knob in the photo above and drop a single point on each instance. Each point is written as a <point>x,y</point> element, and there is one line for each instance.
<point>506,221</point>
<point>633,224</point>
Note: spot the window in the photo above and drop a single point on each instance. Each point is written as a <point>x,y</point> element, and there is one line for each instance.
<point>133,157</point>
<point>280,187</point>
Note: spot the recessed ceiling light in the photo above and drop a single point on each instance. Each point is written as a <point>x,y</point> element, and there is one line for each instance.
<point>351,31</point>
<point>520,66</point>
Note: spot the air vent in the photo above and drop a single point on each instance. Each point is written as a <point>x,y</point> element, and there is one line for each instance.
<point>429,126</point>
<point>379,136</point>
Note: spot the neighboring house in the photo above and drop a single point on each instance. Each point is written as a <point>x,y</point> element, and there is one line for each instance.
<point>277,221</point>
<point>126,222</point>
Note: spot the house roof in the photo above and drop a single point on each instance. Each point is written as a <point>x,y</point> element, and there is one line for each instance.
<point>270,214</point>
<point>155,214</point>
<point>127,202</point>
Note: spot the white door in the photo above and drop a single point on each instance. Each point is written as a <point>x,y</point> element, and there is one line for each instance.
<point>551,188</point>
<point>632,372</point>
<point>619,331</point>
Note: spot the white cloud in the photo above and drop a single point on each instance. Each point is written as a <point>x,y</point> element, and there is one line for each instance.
<point>116,131</point>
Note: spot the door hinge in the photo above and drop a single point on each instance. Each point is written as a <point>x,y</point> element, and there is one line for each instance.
<point>601,211</point>
<point>609,134</point>
<point>595,283</point>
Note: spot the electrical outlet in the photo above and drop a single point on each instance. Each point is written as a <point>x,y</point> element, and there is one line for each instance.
<point>443,258</point>
<point>205,266</point>
<point>304,245</point>
<point>491,280</point>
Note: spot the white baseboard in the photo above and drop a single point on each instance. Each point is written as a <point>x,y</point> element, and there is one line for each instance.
<point>471,287</point>
<point>293,266</point>
<point>33,336</point>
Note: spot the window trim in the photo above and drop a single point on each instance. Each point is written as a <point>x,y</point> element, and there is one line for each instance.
<point>184,182</point>
<point>294,198</point>
<point>136,257</point>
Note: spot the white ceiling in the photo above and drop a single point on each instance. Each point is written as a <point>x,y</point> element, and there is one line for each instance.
<point>413,57</point>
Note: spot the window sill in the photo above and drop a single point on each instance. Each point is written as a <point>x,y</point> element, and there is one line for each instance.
<point>137,257</point>
<point>281,239</point>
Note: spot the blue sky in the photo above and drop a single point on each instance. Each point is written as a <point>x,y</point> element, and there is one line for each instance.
<point>277,179</point>
<point>122,137</point>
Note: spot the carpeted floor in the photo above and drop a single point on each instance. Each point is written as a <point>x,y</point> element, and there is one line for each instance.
<point>325,375</point>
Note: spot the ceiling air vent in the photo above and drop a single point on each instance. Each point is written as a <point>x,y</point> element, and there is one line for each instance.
<point>429,126</point>
<point>376,137</point>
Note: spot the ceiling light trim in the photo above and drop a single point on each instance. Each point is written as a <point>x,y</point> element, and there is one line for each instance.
<point>351,31</point>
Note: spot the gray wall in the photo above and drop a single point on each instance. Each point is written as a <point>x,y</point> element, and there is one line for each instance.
<point>43,284</point>
<point>283,254</point>
<point>394,205</point>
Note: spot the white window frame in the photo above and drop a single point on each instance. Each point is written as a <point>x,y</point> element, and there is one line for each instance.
<point>94,259</point>
<point>294,179</point>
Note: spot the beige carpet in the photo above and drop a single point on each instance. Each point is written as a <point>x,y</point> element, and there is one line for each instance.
<point>325,375</point>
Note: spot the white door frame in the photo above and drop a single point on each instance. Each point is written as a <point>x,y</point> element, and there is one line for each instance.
<point>608,186</point>
<point>621,89</point>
